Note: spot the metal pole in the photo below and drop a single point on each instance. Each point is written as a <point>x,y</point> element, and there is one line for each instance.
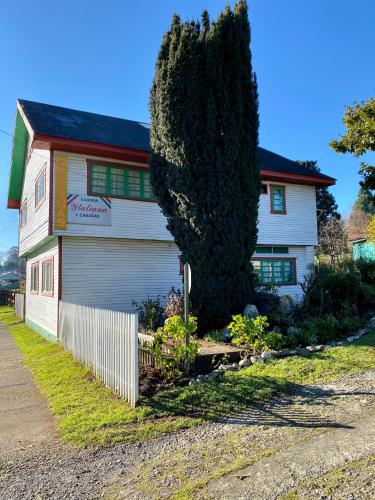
<point>186,311</point>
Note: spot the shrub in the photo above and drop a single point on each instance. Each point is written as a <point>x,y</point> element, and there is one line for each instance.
<point>366,270</point>
<point>174,303</point>
<point>173,334</point>
<point>250,332</point>
<point>215,336</point>
<point>150,313</point>
<point>367,299</point>
<point>324,329</point>
<point>275,340</point>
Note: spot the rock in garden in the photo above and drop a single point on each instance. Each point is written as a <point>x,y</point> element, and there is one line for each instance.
<point>371,323</point>
<point>311,348</point>
<point>362,332</point>
<point>244,363</point>
<point>251,311</point>
<point>302,351</point>
<point>266,355</point>
<point>293,330</point>
<point>216,374</point>
<point>319,348</point>
<point>256,359</point>
<point>193,381</point>
<point>282,353</point>
<point>350,339</point>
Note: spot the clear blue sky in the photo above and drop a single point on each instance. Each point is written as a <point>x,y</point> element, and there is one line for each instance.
<point>311,58</point>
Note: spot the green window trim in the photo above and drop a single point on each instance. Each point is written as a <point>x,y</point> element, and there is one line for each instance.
<point>271,250</point>
<point>118,181</point>
<point>273,271</point>
<point>278,199</point>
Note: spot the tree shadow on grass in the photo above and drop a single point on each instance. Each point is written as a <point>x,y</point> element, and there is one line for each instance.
<point>249,401</point>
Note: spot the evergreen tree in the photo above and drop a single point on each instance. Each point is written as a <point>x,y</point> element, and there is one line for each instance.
<point>204,171</point>
<point>325,201</point>
<point>361,215</point>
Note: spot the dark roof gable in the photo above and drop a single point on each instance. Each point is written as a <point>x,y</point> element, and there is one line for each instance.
<point>68,123</point>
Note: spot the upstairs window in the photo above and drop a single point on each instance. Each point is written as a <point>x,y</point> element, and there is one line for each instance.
<point>47,277</point>
<point>40,187</point>
<point>34,278</point>
<point>278,204</point>
<point>275,271</point>
<point>120,182</point>
<point>23,213</point>
<point>277,250</point>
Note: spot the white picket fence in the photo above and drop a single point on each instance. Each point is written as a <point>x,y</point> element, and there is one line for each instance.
<point>106,340</point>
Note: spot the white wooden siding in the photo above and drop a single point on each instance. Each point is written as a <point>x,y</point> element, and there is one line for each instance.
<point>304,258</point>
<point>298,226</point>
<point>41,309</point>
<point>144,220</point>
<point>36,228</point>
<point>139,220</point>
<point>111,273</point>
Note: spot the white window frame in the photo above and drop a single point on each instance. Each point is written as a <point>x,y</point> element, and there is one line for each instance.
<point>34,278</point>
<point>40,182</point>
<point>47,277</point>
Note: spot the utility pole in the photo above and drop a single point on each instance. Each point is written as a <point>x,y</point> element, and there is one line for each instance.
<point>186,311</point>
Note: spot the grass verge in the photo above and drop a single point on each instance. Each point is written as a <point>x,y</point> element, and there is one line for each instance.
<point>88,413</point>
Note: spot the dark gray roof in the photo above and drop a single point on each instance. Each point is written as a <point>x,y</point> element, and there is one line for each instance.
<point>68,123</point>
<point>56,121</point>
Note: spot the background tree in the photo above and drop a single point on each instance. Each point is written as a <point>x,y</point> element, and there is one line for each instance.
<point>333,240</point>
<point>325,201</point>
<point>204,171</point>
<point>12,262</point>
<point>361,214</point>
<point>359,137</point>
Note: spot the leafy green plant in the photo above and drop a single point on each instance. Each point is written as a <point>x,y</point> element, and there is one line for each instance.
<point>150,313</point>
<point>249,332</point>
<point>172,338</point>
<point>215,336</point>
<point>275,340</point>
<point>325,329</point>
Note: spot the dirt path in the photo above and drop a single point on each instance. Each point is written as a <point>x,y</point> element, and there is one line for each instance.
<point>24,416</point>
<point>294,441</point>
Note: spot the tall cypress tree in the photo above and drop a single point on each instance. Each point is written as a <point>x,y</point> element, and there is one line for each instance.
<point>204,171</point>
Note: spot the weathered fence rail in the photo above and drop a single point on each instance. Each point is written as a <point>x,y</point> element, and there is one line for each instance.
<point>105,339</point>
<point>19,305</point>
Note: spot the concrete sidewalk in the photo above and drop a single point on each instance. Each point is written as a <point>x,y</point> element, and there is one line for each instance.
<point>24,416</point>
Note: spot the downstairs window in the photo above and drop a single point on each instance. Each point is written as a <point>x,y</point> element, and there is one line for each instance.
<point>275,271</point>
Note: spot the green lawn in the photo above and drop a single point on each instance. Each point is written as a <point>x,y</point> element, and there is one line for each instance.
<point>88,413</point>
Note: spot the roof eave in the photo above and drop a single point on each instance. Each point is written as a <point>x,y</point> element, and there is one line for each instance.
<point>308,180</point>
<point>90,148</point>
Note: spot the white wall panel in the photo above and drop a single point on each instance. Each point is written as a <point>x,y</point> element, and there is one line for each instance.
<point>42,309</point>
<point>36,228</point>
<point>111,273</point>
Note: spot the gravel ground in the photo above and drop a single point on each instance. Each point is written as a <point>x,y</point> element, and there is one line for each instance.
<point>192,459</point>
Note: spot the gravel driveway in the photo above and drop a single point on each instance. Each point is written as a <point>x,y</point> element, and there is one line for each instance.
<point>232,458</point>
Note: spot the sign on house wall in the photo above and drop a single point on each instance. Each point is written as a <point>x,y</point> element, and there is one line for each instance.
<point>94,210</point>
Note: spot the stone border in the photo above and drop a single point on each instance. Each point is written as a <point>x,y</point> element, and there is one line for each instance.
<point>283,353</point>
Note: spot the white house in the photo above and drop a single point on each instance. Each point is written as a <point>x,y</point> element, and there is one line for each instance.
<point>92,232</point>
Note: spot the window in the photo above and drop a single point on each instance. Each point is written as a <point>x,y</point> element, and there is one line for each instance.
<point>275,271</point>
<point>120,182</point>
<point>34,284</point>
<point>277,250</point>
<point>40,187</point>
<point>47,277</point>
<point>278,205</point>
<point>23,213</point>
<point>263,189</point>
